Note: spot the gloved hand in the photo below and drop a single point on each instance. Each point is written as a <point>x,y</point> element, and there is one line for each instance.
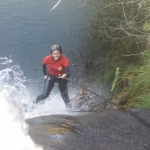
<point>63,76</point>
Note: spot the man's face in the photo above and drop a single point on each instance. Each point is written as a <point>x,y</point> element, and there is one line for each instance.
<point>56,55</point>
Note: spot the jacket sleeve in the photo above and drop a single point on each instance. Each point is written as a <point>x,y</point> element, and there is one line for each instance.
<point>67,71</point>
<point>44,69</point>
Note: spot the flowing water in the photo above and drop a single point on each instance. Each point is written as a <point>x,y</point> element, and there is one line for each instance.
<point>27,30</point>
<point>13,128</point>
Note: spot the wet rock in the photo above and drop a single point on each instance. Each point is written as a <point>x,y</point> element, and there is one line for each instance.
<point>84,100</point>
<point>102,130</point>
<point>121,100</point>
<point>124,83</point>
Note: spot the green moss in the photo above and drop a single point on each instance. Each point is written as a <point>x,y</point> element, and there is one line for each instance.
<point>142,101</point>
<point>140,86</point>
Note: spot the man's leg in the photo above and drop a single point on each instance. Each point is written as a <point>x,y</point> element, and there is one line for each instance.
<point>62,84</point>
<point>49,84</point>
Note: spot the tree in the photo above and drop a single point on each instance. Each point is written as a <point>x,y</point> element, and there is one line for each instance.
<point>118,28</point>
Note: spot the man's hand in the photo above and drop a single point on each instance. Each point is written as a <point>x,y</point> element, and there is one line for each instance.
<point>63,76</point>
<point>45,76</point>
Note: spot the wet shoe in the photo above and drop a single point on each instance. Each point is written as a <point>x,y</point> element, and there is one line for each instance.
<point>69,106</point>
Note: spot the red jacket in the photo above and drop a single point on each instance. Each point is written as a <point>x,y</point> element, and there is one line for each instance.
<point>56,67</point>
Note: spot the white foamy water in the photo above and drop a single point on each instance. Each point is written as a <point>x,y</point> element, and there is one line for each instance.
<point>13,129</point>
<point>52,105</point>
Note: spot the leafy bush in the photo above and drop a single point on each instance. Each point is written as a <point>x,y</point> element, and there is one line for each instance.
<point>117,27</point>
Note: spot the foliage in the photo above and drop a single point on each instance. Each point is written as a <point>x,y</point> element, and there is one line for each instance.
<point>117,28</point>
<point>116,79</point>
<point>121,29</point>
<point>140,87</point>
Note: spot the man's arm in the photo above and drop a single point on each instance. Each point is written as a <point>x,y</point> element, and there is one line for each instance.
<point>44,71</point>
<point>67,73</point>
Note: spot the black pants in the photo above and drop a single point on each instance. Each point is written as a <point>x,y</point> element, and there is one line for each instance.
<point>49,84</point>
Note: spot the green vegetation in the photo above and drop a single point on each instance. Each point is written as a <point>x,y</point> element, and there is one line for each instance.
<point>116,79</point>
<point>117,27</point>
<point>140,88</point>
<point>121,29</point>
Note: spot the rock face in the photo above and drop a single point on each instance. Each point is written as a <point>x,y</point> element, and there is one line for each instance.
<point>104,130</point>
<point>85,100</point>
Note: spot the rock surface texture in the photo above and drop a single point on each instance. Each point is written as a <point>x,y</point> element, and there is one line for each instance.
<point>102,130</point>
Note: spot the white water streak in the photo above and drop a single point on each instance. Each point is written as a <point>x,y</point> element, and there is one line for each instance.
<point>55,5</point>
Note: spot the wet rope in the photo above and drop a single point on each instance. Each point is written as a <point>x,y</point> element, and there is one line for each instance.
<point>106,100</point>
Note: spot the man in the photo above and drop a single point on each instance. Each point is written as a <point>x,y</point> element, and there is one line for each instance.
<point>58,69</point>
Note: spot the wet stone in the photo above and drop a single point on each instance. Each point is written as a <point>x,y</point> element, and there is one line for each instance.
<point>102,130</point>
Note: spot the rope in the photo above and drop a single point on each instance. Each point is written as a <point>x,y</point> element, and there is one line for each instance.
<point>131,113</point>
<point>96,94</point>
